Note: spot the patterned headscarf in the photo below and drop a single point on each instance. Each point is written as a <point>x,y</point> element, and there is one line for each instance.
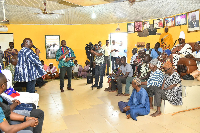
<point>167,64</point>
<point>137,81</point>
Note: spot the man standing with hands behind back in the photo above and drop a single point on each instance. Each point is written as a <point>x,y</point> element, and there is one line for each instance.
<point>65,56</point>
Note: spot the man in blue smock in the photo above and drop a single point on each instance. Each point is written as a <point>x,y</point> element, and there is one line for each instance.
<point>139,101</point>
<point>157,51</point>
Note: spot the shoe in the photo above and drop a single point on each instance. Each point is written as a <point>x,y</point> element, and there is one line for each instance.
<point>69,88</point>
<point>94,85</point>
<point>61,90</point>
<point>99,87</point>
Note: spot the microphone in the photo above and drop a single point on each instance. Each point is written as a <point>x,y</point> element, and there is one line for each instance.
<point>35,47</point>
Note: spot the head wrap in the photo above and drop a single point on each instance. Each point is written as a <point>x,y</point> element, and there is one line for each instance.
<point>167,64</point>
<point>182,35</point>
<point>154,62</point>
<point>137,81</point>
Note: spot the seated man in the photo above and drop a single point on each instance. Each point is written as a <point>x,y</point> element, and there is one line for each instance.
<point>143,75</point>
<point>155,80</point>
<point>139,101</point>
<point>6,114</point>
<point>156,51</point>
<point>51,72</point>
<point>127,71</point>
<point>171,89</point>
<point>196,56</point>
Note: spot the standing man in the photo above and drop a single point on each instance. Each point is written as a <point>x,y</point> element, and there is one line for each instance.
<point>106,57</point>
<point>114,54</point>
<point>9,53</point>
<point>65,56</point>
<point>99,68</point>
<point>1,59</point>
<point>29,67</point>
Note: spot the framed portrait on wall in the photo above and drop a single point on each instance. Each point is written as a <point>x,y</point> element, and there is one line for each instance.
<point>193,21</point>
<point>138,26</point>
<point>169,22</point>
<point>181,19</point>
<point>146,25</point>
<point>158,23</point>
<point>130,27</point>
<point>52,44</point>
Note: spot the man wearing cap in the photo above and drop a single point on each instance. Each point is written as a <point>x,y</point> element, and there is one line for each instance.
<point>181,50</point>
<point>155,80</point>
<point>51,72</point>
<point>139,101</point>
<point>65,56</point>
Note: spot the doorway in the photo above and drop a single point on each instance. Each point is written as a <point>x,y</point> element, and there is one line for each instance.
<point>121,41</point>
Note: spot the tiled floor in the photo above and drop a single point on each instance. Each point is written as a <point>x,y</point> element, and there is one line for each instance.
<point>95,111</point>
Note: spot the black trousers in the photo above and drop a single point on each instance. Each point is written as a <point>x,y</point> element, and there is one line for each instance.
<point>63,70</point>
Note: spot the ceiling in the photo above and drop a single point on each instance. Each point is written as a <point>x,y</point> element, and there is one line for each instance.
<point>80,11</point>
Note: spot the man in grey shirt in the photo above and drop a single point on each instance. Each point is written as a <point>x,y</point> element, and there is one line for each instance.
<point>1,59</point>
<point>127,71</point>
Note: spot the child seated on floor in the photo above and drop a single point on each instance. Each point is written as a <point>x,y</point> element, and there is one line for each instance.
<point>75,69</point>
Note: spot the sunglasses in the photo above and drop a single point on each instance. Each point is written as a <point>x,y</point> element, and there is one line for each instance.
<point>167,69</point>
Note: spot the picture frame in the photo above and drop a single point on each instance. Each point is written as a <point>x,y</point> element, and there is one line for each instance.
<point>158,23</point>
<point>146,25</point>
<point>130,27</point>
<point>193,20</point>
<point>170,21</point>
<point>138,26</point>
<point>52,44</point>
<point>181,19</point>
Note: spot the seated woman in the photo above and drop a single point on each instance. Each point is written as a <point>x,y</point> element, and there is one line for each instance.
<point>171,89</point>
<point>51,72</point>
<point>86,69</point>
<point>139,101</point>
<point>6,114</point>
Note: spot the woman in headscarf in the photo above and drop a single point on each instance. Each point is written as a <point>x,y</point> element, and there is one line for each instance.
<point>171,89</point>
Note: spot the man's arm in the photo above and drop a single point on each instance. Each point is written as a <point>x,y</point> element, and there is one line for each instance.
<point>145,77</point>
<point>126,75</point>
<point>159,53</point>
<point>95,53</point>
<point>6,127</point>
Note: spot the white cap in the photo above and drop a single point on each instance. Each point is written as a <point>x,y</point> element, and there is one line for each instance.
<point>50,63</point>
<point>182,35</point>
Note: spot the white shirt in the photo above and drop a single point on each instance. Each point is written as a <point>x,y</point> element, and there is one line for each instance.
<point>107,50</point>
<point>114,54</point>
<point>133,58</point>
<point>197,55</point>
<point>75,68</point>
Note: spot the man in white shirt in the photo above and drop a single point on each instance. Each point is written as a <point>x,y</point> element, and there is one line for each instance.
<point>114,54</point>
<point>106,57</point>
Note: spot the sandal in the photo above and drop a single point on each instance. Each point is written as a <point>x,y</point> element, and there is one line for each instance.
<point>120,94</point>
<point>107,89</point>
<point>126,94</point>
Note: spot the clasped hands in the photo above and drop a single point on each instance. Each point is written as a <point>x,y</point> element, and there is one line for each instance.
<point>127,108</point>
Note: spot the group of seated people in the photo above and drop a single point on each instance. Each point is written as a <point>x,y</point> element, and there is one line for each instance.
<point>16,116</point>
<point>154,74</point>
